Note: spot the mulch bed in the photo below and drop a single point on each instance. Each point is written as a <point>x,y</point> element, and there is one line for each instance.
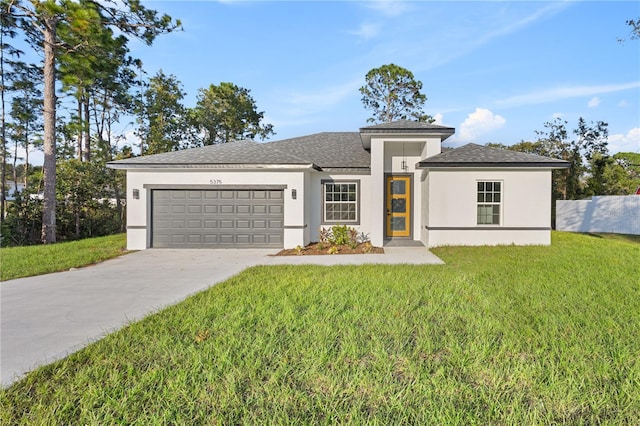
<point>318,249</point>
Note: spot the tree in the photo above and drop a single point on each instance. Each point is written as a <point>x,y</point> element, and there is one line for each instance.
<point>26,110</point>
<point>8,28</point>
<point>634,33</point>
<point>227,112</point>
<point>41,20</point>
<point>392,93</point>
<point>162,117</point>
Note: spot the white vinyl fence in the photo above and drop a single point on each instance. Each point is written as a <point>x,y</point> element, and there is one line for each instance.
<point>608,214</point>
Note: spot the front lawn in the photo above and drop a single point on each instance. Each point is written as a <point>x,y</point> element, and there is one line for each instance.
<point>498,335</point>
<point>27,261</point>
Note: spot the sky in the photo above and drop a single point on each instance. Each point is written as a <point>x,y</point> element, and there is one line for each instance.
<point>495,71</point>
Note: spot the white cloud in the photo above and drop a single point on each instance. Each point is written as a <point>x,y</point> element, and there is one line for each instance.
<point>438,119</point>
<point>623,103</point>
<point>366,31</point>
<point>544,96</point>
<point>594,102</point>
<point>625,143</point>
<point>478,123</point>
<point>557,115</point>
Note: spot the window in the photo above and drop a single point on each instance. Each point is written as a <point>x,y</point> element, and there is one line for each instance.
<point>340,202</point>
<point>489,202</point>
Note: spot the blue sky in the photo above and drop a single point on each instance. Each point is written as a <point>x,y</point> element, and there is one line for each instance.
<point>496,71</point>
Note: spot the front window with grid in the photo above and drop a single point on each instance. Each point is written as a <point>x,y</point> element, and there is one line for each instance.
<point>340,202</point>
<point>489,202</point>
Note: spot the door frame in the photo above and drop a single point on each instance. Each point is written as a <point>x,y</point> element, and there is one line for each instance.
<point>387,178</point>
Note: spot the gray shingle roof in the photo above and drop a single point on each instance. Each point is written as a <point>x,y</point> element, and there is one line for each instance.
<point>338,150</point>
<point>328,150</point>
<point>472,155</point>
<point>240,152</point>
<point>405,126</point>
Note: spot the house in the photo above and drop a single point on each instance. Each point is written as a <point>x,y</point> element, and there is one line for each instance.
<point>391,181</point>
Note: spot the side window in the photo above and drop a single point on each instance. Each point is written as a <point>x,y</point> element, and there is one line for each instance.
<point>340,202</point>
<point>489,200</point>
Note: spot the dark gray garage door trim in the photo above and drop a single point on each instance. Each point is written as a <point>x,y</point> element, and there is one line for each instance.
<point>214,187</point>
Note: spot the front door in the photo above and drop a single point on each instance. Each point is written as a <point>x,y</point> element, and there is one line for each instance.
<point>398,206</point>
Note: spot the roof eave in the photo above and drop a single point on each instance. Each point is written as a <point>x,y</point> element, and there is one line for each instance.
<point>489,165</point>
<point>243,166</point>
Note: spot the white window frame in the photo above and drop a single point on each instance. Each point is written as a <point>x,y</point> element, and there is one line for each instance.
<point>487,197</point>
<point>355,202</point>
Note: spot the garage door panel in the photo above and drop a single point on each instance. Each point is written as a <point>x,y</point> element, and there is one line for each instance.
<point>177,238</point>
<point>259,224</point>
<point>259,209</point>
<point>275,224</point>
<point>217,218</point>
<point>210,239</point>
<point>178,224</point>
<point>275,239</point>
<point>226,239</point>
<point>243,238</point>
<point>276,195</point>
<point>275,210</point>
<point>226,224</point>
<point>194,224</point>
<point>194,239</point>
<point>227,209</point>
<point>243,209</point>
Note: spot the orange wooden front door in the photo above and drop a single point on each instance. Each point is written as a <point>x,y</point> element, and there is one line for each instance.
<point>398,222</point>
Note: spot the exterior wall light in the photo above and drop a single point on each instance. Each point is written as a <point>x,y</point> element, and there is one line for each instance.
<point>294,194</point>
<point>136,194</point>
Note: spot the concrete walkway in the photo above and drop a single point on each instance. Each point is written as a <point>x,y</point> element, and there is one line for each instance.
<point>45,318</point>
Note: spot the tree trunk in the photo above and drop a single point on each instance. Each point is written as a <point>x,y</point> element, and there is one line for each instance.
<point>86,126</point>
<point>26,156</point>
<point>48,234</point>
<point>79,135</point>
<point>3,135</point>
<point>15,169</point>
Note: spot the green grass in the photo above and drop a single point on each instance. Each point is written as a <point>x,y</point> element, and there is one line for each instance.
<point>498,335</point>
<point>18,262</point>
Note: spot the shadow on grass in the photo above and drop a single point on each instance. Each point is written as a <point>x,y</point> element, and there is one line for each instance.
<point>620,237</point>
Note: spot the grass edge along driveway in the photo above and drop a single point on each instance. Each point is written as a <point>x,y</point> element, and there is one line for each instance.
<point>507,335</point>
<point>28,261</point>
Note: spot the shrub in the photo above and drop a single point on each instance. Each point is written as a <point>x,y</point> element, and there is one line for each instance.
<point>339,235</point>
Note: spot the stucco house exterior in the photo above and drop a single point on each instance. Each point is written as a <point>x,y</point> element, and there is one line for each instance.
<point>391,181</point>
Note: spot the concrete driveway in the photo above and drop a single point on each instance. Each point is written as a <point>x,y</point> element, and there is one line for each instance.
<point>45,318</point>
